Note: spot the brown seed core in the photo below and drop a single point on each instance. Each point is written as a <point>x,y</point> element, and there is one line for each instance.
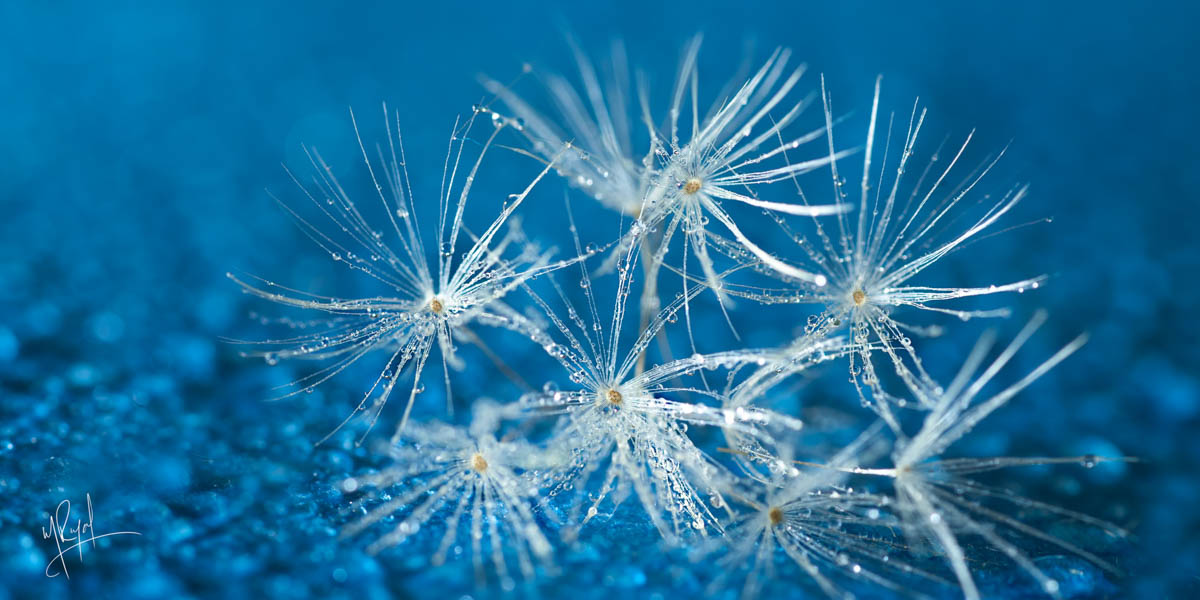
<point>614,397</point>
<point>692,186</point>
<point>436,306</point>
<point>478,463</point>
<point>775,515</point>
<point>859,297</point>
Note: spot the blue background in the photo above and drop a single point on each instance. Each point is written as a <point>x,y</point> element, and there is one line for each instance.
<point>136,143</point>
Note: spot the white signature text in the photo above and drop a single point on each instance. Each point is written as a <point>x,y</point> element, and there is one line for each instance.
<point>68,536</point>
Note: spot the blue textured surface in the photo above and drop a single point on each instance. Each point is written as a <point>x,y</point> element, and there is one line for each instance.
<point>137,141</point>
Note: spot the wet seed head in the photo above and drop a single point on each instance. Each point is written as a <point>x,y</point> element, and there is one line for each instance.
<point>614,397</point>
<point>775,516</point>
<point>478,463</point>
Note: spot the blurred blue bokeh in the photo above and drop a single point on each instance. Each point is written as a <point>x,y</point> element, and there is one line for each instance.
<point>137,141</point>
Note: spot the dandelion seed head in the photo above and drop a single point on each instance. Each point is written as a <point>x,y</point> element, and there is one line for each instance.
<point>402,328</point>
<point>613,397</point>
<point>479,464</point>
<point>775,516</point>
<point>859,297</point>
<point>436,306</point>
<point>692,186</point>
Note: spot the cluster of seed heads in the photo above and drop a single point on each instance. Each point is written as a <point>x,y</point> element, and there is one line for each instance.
<point>529,474</point>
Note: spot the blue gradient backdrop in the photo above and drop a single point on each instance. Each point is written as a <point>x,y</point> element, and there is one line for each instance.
<point>136,142</point>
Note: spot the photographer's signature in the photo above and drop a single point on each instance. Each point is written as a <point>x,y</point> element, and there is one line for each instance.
<point>67,537</point>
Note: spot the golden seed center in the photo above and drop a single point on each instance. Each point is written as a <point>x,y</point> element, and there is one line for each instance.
<point>775,515</point>
<point>614,397</point>
<point>692,186</point>
<point>436,306</point>
<point>859,297</point>
<point>478,463</point>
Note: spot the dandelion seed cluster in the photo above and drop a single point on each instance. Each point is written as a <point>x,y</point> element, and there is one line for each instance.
<point>717,213</point>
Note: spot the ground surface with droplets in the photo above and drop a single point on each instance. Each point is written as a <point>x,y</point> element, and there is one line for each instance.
<point>140,144</point>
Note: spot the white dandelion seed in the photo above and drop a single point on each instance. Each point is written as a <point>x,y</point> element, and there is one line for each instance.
<point>732,150</point>
<point>901,228</point>
<point>430,306</point>
<point>461,479</point>
<point>938,502</point>
<point>834,533</point>
<point>726,158</point>
<point>622,422</point>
